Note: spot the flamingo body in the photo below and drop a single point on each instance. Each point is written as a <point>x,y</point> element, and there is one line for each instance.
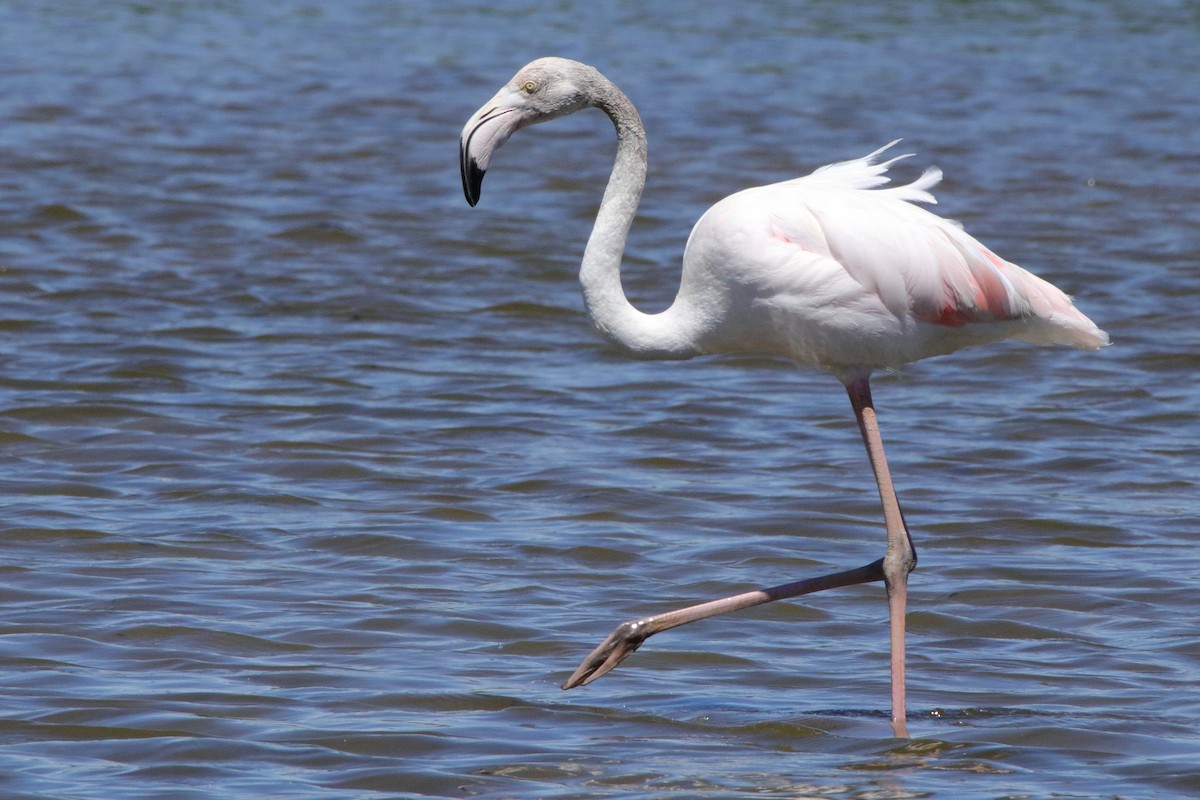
<point>832,272</point>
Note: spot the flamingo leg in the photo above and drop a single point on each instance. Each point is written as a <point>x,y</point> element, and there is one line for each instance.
<point>629,635</point>
<point>899,560</point>
<point>901,557</point>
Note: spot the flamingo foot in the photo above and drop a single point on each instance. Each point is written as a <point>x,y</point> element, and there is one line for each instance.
<point>619,646</point>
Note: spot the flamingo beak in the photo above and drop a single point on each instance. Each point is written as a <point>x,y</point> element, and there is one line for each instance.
<point>485,131</point>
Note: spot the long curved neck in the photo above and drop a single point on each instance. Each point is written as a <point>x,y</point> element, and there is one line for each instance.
<point>663,335</point>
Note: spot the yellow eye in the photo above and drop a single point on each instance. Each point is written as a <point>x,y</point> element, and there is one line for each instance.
<point>529,87</point>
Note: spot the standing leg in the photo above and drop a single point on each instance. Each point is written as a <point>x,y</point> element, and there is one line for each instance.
<point>900,558</point>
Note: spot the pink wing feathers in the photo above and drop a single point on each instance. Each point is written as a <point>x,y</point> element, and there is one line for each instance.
<point>919,264</point>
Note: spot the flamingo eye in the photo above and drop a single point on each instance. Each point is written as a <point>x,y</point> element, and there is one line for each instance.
<point>529,87</point>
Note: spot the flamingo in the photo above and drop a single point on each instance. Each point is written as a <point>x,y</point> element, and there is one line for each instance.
<point>828,270</point>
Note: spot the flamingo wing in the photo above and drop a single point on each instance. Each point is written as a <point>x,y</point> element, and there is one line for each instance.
<point>835,270</point>
<point>921,266</point>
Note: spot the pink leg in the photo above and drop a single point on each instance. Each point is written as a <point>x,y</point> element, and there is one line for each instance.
<point>900,558</point>
<point>629,635</point>
<point>892,569</point>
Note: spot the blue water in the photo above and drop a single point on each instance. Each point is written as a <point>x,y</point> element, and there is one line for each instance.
<point>317,483</point>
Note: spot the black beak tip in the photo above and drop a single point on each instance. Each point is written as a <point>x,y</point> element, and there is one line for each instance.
<point>472,178</point>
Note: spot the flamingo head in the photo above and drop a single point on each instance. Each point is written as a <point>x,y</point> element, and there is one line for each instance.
<point>540,91</point>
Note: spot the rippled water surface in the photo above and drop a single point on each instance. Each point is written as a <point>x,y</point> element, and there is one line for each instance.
<point>316,482</point>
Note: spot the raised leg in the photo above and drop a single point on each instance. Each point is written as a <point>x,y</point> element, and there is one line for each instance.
<point>900,558</point>
<point>629,635</point>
